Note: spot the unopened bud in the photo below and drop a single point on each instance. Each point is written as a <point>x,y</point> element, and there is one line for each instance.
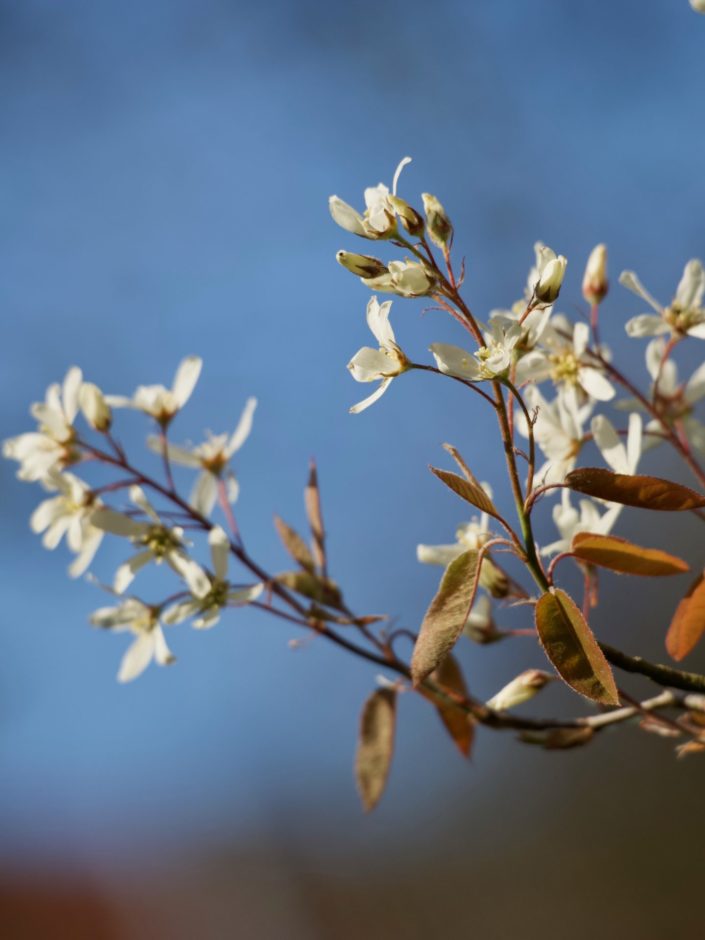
<point>548,286</point>
<point>94,407</point>
<point>437,222</point>
<point>410,218</point>
<point>595,278</point>
<point>362,265</point>
<point>520,690</point>
<point>698,5</point>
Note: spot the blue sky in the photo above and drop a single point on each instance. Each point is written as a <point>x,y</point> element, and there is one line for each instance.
<point>167,168</point>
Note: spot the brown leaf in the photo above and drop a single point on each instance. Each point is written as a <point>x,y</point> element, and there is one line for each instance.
<point>471,492</point>
<point>312,502</point>
<point>572,648</point>
<point>688,623</point>
<point>617,554</point>
<point>446,615</point>
<point>375,746</point>
<point>459,724</point>
<point>557,739</point>
<point>690,747</point>
<point>295,545</point>
<point>464,469</point>
<point>634,490</point>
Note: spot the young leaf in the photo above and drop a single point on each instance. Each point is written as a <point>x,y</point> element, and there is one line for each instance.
<point>295,545</point>
<point>572,648</point>
<point>446,615</point>
<point>465,470</point>
<point>471,492</point>
<point>637,490</point>
<point>688,623</point>
<point>312,502</point>
<point>459,724</point>
<point>375,746</point>
<point>617,554</point>
<point>310,585</point>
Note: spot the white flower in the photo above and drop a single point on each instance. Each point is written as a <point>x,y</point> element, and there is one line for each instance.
<point>160,402</point>
<point>69,514</point>
<point>533,323</point>
<point>210,592</point>
<point>379,219</point>
<point>383,364</point>
<point>51,446</point>
<point>564,362</point>
<point>490,360</point>
<point>621,458</point>
<point>675,402</point>
<point>212,457</point>
<point>149,644</point>
<point>469,536</point>
<point>684,316</point>
<point>558,431</point>
<point>156,541</point>
<point>406,278</point>
<point>569,521</point>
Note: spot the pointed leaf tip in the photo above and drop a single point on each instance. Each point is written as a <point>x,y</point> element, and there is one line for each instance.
<point>572,648</point>
<point>643,492</point>
<point>618,554</point>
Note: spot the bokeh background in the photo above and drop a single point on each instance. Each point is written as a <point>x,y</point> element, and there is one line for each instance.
<point>166,173</point>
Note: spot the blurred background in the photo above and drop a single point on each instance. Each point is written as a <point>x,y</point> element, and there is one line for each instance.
<point>166,173</point>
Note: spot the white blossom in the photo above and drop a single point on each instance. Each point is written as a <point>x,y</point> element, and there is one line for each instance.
<point>212,458</point>
<point>469,536</point>
<point>210,592</point>
<point>620,457</point>
<point>588,518</point>
<point>378,220</point>
<point>159,402</point>
<point>143,621</point>
<point>156,541</point>
<point>489,361</point>
<point>674,401</point>
<point>383,364</point>
<point>51,446</point>
<point>564,361</point>
<point>684,316</point>
<point>520,690</point>
<point>406,278</point>
<point>69,514</point>
<point>558,431</point>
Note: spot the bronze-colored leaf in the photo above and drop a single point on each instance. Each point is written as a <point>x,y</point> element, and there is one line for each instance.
<point>690,747</point>
<point>471,492</point>
<point>634,490</point>
<point>464,469</point>
<point>312,502</point>
<point>375,746</point>
<point>617,554</point>
<point>458,722</point>
<point>446,615</point>
<point>295,545</point>
<point>321,590</point>
<point>688,623</point>
<point>556,739</point>
<point>572,648</point>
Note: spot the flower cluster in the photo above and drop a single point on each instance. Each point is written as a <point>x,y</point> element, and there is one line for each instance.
<point>80,512</point>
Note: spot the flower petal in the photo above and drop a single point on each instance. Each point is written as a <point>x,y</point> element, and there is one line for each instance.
<point>646,324</point>
<point>125,574</point>
<point>595,384</point>
<point>452,360</point>
<point>371,399</point>
<point>244,426</point>
<point>137,658</point>
<point>611,448</point>
<point>691,287</point>
<point>630,280</point>
<point>185,379</point>
<point>204,493</point>
<point>220,548</point>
